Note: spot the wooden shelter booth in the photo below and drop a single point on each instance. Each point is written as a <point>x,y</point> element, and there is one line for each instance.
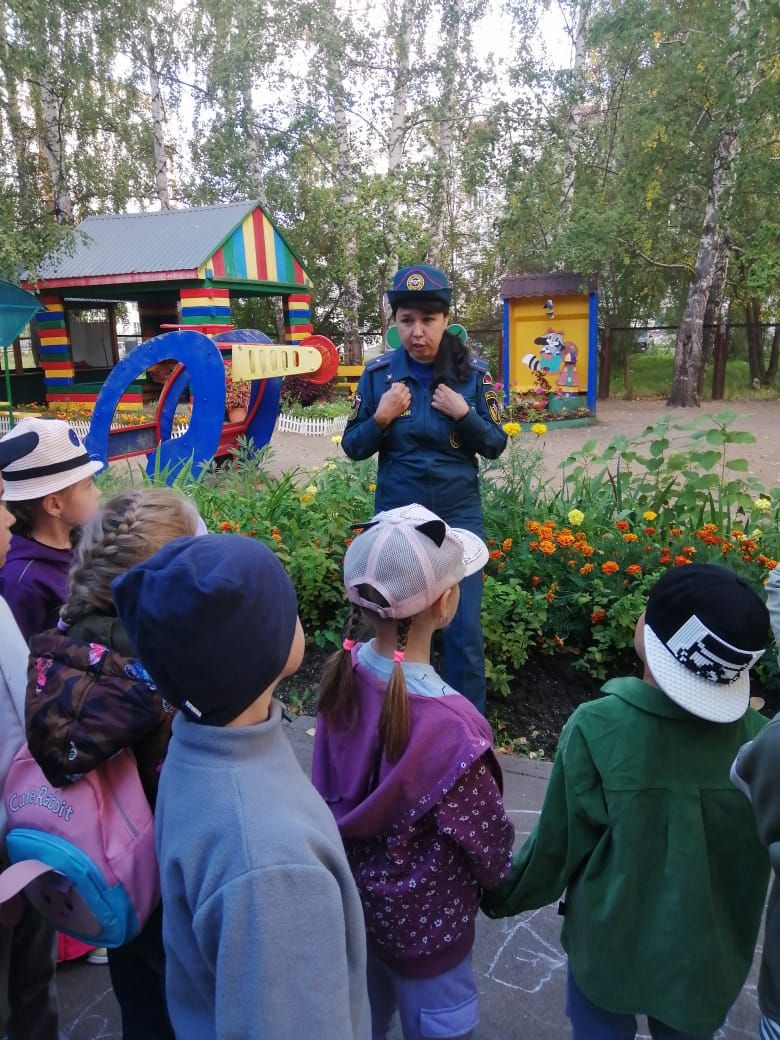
<point>551,331</point>
<point>181,267</point>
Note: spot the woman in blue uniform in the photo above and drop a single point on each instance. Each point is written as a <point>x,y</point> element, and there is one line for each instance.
<point>428,409</point>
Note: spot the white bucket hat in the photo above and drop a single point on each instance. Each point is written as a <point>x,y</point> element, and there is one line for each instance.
<point>410,556</point>
<point>52,458</point>
<point>704,630</point>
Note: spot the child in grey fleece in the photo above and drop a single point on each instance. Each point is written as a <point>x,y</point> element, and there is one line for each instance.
<point>756,772</point>
<point>262,922</point>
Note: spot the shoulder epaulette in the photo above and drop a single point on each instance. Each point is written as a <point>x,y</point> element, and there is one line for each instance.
<point>481,364</point>
<point>379,362</point>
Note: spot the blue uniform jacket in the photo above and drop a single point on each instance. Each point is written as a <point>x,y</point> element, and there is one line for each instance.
<point>425,456</point>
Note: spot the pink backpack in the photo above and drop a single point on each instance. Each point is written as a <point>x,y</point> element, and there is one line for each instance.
<point>82,854</point>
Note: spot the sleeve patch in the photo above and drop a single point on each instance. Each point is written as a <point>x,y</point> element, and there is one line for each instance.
<point>357,400</point>
<point>491,400</point>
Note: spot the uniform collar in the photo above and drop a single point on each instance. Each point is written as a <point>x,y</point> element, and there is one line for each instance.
<point>645,697</point>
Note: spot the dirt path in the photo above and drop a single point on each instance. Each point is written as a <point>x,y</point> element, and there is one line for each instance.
<point>761,418</point>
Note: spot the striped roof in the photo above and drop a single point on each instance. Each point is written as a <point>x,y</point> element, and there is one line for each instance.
<point>178,242</point>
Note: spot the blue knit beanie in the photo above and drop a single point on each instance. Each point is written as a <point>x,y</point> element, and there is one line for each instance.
<point>213,620</point>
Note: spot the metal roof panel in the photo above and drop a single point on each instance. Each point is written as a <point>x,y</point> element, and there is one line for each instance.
<point>140,243</point>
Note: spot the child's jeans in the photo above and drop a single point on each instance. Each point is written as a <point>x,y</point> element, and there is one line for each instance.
<point>445,1007</point>
<point>589,1022</point>
<point>768,1029</point>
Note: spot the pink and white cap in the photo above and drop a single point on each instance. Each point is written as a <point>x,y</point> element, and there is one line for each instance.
<point>408,556</point>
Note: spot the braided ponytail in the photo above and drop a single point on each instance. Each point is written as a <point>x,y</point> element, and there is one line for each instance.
<point>129,528</point>
<point>337,701</point>
<point>395,720</point>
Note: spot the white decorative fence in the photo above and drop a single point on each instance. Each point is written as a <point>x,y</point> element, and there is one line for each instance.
<point>285,424</point>
<point>81,426</point>
<point>311,427</point>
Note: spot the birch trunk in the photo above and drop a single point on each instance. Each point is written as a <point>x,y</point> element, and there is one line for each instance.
<point>158,126</point>
<point>575,112</point>
<point>53,146</point>
<point>688,352</point>
<point>404,42</point>
<point>350,297</point>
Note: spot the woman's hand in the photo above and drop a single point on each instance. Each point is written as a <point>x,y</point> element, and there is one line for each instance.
<point>449,402</point>
<point>392,403</point>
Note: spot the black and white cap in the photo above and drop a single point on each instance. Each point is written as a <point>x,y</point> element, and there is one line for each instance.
<point>705,628</point>
<point>41,456</point>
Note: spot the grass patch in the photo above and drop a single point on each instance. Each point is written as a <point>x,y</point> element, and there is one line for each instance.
<point>650,375</point>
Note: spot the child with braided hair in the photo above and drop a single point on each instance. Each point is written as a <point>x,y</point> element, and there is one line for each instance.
<point>407,767</point>
<point>88,697</point>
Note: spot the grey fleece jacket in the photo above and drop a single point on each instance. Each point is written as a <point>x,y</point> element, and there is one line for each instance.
<point>756,772</point>
<point>262,923</point>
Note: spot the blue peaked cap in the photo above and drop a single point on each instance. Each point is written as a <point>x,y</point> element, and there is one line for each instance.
<point>420,282</point>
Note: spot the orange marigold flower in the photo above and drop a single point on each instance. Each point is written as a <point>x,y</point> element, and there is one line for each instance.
<point>506,545</point>
<point>225,526</point>
<point>634,570</point>
<point>622,525</point>
<point>710,527</point>
<point>275,534</point>
<point>610,567</point>
<point>688,550</point>
<point>533,545</point>
<point>630,537</point>
<point>549,596</point>
<point>536,580</point>
<point>532,526</point>
<point>586,568</point>
<point>547,547</point>
<point>597,616</point>
<point>649,530</point>
<point>495,554</point>
<point>680,561</point>
<point>587,550</point>
<point>558,642</point>
<point>565,539</point>
<point>725,548</point>
<point>770,564</point>
<point>675,530</point>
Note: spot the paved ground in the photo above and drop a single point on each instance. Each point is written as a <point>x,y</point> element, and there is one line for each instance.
<point>762,418</point>
<point>520,964</point>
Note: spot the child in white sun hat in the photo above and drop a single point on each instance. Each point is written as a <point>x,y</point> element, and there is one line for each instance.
<point>50,489</point>
<point>664,874</point>
<point>406,764</point>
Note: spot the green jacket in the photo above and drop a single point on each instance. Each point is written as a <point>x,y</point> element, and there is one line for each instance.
<point>664,872</point>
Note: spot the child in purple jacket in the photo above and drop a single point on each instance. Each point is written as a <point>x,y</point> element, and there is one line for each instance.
<point>406,764</point>
<point>50,489</point>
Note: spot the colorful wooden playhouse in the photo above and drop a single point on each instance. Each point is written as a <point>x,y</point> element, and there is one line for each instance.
<point>551,327</point>
<point>181,267</point>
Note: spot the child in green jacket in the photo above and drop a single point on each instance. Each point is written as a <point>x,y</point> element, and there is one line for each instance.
<point>640,823</point>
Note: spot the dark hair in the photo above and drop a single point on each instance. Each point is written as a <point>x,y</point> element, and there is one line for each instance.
<point>452,361</point>
<point>337,701</point>
<point>25,515</point>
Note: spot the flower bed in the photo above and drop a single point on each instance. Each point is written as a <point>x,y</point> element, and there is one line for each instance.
<point>571,560</point>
